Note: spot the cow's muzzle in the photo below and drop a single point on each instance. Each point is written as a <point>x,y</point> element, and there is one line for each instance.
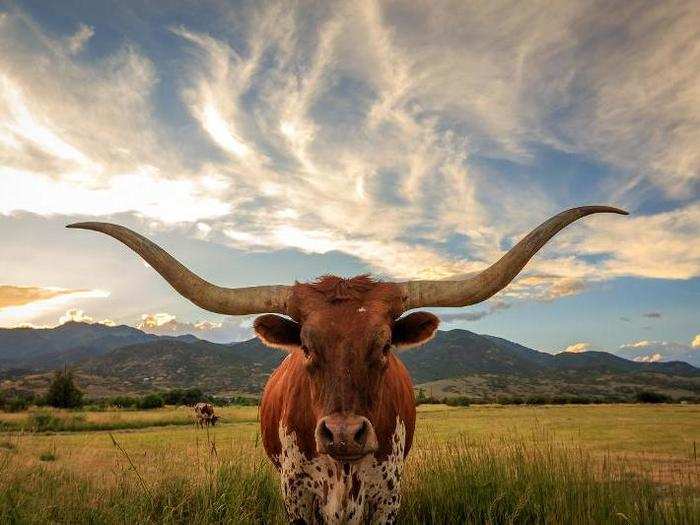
<point>345,437</point>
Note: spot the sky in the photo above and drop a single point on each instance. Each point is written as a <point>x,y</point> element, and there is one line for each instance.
<point>264,143</point>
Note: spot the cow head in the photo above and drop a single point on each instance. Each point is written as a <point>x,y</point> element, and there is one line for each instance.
<point>345,331</point>
<point>345,328</point>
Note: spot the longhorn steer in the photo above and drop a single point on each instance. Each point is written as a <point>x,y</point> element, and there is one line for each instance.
<point>337,416</point>
<point>204,414</point>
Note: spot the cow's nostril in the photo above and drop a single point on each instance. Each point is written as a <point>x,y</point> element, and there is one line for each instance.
<point>326,434</point>
<point>361,435</point>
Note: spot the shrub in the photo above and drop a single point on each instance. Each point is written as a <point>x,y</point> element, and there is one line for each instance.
<point>16,404</point>
<point>650,396</point>
<point>47,456</point>
<point>150,401</point>
<point>536,400</point>
<point>123,402</point>
<point>458,401</point>
<point>189,397</point>
<point>44,422</point>
<point>63,392</point>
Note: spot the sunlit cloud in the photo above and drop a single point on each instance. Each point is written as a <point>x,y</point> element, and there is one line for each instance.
<point>76,315</point>
<point>225,331</point>
<point>14,296</point>
<point>696,342</point>
<point>651,358</point>
<point>345,132</point>
<point>577,348</point>
<point>52,300</point>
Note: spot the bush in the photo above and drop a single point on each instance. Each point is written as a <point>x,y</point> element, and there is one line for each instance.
<point>151,401</point>
<point>458,401</point>
<point>649,396</point>
<point>536,400</point>
<point>63,393</point>
<point>123,402</point>
<point>44,422</point>
<point>47,456</point>
<point>16,404</point>
<point>188,397</point>
<point>244,401</point>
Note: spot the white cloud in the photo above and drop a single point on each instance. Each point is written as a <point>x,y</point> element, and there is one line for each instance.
<point>652,351</point>
<point>651,358</point>
<point>225,331</point>
<point>42,304</point>
<point>76,315</point>
<point>366,132</point>
<point>577,348</point>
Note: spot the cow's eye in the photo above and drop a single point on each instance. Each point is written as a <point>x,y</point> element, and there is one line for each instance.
<point>386,349</point>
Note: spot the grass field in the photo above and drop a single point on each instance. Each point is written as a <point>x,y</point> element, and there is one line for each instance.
<point>516,464</point>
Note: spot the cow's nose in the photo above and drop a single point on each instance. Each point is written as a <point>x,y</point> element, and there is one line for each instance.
<point>345,437</point>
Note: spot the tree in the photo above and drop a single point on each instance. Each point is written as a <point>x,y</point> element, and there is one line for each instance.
<point>63,392</point>
<point>150,401</point>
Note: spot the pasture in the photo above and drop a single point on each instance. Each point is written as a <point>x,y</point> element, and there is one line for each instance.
<point>495,464</point>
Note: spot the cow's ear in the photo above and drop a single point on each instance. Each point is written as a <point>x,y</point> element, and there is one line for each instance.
<point>414,329</point>
<point>278,332</point>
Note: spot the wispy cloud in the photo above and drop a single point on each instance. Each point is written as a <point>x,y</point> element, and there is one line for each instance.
<point>652,315</point>
<point>377,131</point>
<point>474,315</point>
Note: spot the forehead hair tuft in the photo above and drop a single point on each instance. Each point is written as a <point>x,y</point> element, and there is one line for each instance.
<point>338,289</point>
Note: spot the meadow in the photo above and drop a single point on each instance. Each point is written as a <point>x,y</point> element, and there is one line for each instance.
<point>479,464</point>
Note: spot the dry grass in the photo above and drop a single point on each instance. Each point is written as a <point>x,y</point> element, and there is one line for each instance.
<point>595,464</point>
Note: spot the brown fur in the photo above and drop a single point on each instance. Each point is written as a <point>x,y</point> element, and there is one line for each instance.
<point>345,323</point>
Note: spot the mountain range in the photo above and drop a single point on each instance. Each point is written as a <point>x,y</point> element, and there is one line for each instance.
<point>123,359</point>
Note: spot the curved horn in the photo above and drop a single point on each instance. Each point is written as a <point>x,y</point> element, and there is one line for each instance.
<point>233,301</point>
<point>497,276</point>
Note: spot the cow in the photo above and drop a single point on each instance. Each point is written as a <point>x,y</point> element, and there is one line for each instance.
<point>337,416</point>
<point>204,414</point>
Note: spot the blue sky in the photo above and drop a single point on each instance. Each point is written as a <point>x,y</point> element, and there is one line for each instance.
<point>266,142</point>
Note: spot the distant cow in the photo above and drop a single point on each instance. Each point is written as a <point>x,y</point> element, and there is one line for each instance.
<point>338,414</point>
<point>204,414</point>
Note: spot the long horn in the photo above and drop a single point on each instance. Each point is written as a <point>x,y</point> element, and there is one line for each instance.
<point>497,276</point>
<point>233,301</point>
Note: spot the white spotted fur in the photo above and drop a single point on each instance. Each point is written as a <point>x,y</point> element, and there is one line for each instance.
<point>320,490</point>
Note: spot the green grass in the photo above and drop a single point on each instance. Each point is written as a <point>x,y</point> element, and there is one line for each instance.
<point>48,420</point>
<point>494,465</point>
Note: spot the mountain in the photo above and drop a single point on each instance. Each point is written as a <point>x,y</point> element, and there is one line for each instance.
<point>455,362</point>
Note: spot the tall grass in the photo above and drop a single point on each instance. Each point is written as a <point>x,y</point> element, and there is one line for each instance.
<point>485,481</point>
<point>522,481</point>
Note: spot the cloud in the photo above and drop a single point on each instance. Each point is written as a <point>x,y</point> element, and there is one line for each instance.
<point>77,41</point>
<point>696,342</point>
<point>22,304</point>
<point>577,348</point>
<point>496,306</point>
<point>652,315</point>
<point>626,319</point>
<point>373,132</point>
<point>21,295</point>
<point>76,315</point>
<point>88,137</point>
<point>226,331</point>
<point>652,358</point>
<point>645,350</point>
